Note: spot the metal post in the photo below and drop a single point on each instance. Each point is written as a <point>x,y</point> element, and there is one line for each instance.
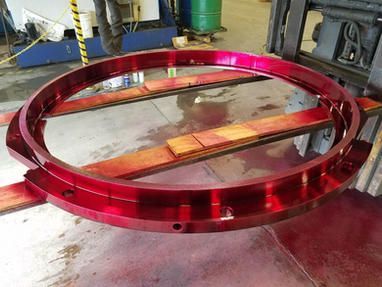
<point>2,10</point>
<point>78,29</point>
<point>295,29</point>
<point>374,83</point>
<point>274,20</point>
<point>277,21</point>
<point>370,173</point>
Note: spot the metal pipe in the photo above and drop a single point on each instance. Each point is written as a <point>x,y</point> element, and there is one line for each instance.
<point>351,15</point>
<point>374,6</point>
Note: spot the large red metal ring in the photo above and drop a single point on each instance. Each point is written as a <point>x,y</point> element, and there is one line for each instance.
<point>189,208</point>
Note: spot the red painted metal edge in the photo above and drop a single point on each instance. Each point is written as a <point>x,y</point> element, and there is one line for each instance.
<point>190,208</point>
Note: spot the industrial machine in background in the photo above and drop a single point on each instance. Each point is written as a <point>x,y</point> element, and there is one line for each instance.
<point>349,50</point>
<point>148,24</point>
<point>132,11</point>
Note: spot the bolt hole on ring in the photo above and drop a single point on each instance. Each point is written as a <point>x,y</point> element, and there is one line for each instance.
<point>68,193</point>
<point>199,207</point>
<point>177,226</point>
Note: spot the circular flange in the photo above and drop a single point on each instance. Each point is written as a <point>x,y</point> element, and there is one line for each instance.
<point>189,208</point>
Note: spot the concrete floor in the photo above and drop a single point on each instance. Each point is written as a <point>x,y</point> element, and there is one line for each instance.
<point>336,245</point>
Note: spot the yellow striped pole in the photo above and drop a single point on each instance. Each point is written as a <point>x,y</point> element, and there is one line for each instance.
<point>78,29</point>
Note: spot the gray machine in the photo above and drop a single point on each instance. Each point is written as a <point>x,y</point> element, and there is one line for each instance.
<point>349,50</point>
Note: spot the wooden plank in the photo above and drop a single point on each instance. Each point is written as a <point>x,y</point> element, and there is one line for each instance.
<point>6,118</point>
<point>183,149</point>
<point>184,145</point>
<point>16,196</point>
<point>288,122</point>
<point>192,80</point>
<point>244,132</point>
<point>133,163</point>
<point>225,135</point>
<point>99,100</point>
<point>368,104</point>
<point>150,87</point>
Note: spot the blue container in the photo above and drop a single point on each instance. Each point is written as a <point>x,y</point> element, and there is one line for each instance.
<point>126,80</point>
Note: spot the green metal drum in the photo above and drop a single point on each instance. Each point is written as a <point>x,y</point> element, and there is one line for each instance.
<point>201,15</point>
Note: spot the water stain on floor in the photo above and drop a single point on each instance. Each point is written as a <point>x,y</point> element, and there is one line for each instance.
<point>78,220</point>
<point>66,281</point>
<point>105,152</point>
<point>196,116</point>
<point>66,277</point>
<point>69,253</point>
<point>263,97</point>
<point>268,107</point>
<point>258,161</point>
<point>28,80</point>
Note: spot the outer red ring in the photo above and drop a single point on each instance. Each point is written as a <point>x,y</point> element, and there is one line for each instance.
<point>189,208</point>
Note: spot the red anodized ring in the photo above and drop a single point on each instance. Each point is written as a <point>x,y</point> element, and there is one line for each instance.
<point>189,208</point>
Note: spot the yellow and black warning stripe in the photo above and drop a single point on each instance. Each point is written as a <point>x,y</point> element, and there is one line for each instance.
<point>79,34</point>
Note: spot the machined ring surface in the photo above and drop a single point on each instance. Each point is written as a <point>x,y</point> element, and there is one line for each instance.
<point>189,208</point>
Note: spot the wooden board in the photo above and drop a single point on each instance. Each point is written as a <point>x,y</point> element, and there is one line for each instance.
<point>149,88</point>
<point>251,130</point>
<point>184,145</point>
<point>225,135</point>
<point>368,104</point>
<point>6,118</point>
<point>211,142</point>
<point>15,196</point>
<point>192,80</point>
<point>185,148</point>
